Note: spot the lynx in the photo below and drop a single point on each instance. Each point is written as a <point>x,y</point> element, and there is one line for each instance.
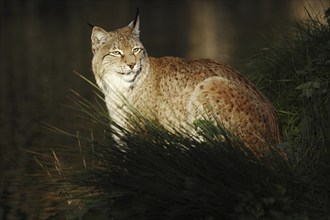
<point>175,90</point>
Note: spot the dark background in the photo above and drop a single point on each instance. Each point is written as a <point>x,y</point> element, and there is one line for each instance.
<point>43,42</point>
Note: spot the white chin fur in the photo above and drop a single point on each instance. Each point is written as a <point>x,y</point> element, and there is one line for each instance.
<point>119,82</point>
<point>129,78</point>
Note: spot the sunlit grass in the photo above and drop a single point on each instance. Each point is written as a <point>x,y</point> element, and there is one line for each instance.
<point>155,173</point>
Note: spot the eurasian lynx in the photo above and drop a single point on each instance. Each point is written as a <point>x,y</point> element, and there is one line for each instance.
<point>177,90</point>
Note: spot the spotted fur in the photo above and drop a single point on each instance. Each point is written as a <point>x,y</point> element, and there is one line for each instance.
<point>178,91</point>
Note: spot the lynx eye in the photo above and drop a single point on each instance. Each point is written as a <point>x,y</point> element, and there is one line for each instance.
<point>136,50</point>
<point>116,53</point>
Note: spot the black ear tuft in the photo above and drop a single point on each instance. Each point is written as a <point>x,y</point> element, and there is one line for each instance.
<point>89,24</point>
<point>135,25</point>
<point>136,16</point>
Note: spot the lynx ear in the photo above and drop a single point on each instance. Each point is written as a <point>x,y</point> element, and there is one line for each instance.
<point>135,25</point>
<point>99,37</point>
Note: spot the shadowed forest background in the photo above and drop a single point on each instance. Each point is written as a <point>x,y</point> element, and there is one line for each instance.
<point>44,42</point>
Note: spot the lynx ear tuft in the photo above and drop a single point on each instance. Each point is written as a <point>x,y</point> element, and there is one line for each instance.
<point>99,37</point>
<point>135,25</point>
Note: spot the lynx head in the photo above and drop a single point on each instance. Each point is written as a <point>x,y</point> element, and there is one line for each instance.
<point>119,59</point>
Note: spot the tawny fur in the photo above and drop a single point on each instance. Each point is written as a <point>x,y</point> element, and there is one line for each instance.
<point>178,91</point>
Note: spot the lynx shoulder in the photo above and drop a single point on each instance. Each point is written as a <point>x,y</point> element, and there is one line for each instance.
<point>176,90</point>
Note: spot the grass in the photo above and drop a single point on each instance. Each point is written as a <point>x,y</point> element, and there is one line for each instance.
<point>154,173</point>
<point>295,74</point>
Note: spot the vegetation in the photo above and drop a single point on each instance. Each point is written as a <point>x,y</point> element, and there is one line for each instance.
<point>155,173</point>
<point>296,77</point>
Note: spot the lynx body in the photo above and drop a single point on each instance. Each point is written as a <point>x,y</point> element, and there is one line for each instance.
<point>176,90</point>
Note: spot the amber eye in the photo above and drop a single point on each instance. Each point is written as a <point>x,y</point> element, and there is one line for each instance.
<point>116,53</point>
<point>136,50</point>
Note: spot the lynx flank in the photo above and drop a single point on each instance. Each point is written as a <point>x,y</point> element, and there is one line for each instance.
<point>177,90</point>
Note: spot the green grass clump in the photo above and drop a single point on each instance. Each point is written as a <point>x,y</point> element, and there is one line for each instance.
<point>295,75</point>
<point>156,173</point>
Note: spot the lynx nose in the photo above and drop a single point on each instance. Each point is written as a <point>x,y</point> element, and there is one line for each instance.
<point>131,65</point>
